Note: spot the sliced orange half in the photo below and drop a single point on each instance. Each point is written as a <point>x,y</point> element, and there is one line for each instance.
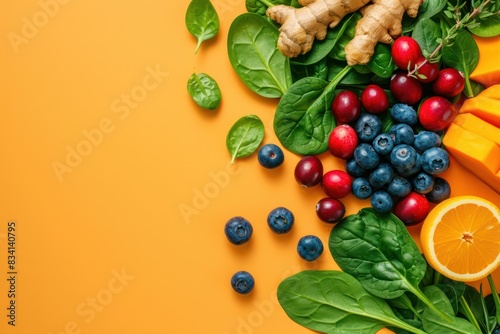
<point>460,238</point>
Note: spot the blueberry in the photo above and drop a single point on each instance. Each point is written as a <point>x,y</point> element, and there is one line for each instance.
<point>399,186</point>
<point>440,191</point>
<point>310,247</point>
<point>361,188</point>
<point>367,127</point>
<point>422,183</point>
<point>366,156</point>
<point>242,282</point>
<point>403,156</point>
<point>435,160</point>
<point>381,175</point>
<point>383,144</point>
<point>354,169</point>
<point>403,113</point>
<point>411,171</point>
<point>382,201</point>
<point>425,140</point>
<point>238,230</point>
<point>402,134</point>
<point>280,220</point>
<point>270,156</point>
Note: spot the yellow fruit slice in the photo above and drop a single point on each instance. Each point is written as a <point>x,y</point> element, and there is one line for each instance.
<point>460,238</point>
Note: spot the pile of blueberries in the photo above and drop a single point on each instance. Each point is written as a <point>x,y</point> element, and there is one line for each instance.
<point>280,220</point>
<point>390,165</point>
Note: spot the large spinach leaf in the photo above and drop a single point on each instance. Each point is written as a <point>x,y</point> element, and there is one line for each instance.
<point>253,53</point>
<point>303,119</point>
<point>202,20</point>
<point>335,302</point>
<point>463,55</point>
<point>378,250</point>
<point>245,136</point>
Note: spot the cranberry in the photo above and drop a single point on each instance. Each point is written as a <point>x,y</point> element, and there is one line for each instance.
<point>309,171</point>
<point>412,209</point>
<point>406,89</point>
<point>346,107</point>
<point>336,183</point>
<point>374,99</point>
<point>330,210</point>
<point>427,72</point>
<point>343,141</point>
<point>449,83</point>
<point>405,51</point>
<point>436,113</point>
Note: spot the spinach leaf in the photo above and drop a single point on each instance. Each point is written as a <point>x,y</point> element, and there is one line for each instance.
<point>489,25</point>
<point>335,302</point>
<point>204,90</point>
<point>378,250</point>
<point>245,136</point>
<point>303,119</point>
<point>202,20</point>
<point>463,55</point>
<point>321,48</point>
<point>253,53</point>
<point>427,10</point>
<point>381,63</point>
<point>260,6</point>
<point>434,324</point>
<point>318,70</point>
<point>427,34</point>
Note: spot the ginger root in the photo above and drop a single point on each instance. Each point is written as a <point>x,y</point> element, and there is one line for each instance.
<point>381,22</point>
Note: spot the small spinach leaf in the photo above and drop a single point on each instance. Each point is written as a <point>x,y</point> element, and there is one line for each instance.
<point>202,20</point>
<point>335,302</point>
<point>489,26</point>
<point>381,63</point>
<point>253,53</point>
<point>463,55</point>
<point>427,10</point>
<point>245,136</point>
<point>427,33</point>
<point>204,90</point>
<point>260,6</point>
<point>303,119</point>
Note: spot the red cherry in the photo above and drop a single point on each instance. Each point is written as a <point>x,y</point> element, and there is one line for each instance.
<point>405,89</point>
<point>343,141</point>
<point>336,184</point>
<point>412,209</point>
<point>404,51</point>
<point>308,171</point>
<point>449,83</point>
<point>374,99</point>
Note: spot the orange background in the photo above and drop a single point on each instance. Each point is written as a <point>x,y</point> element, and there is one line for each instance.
<point>127,236</point>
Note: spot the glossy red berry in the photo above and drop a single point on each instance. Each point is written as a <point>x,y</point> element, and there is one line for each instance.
<point>308,171</point>
<point>449,82</point>
<point>336,184</point>
<point>330,210</point>
<point>405,51</point>
<point>346,107</point>
<point>343,141</point>
<point>374,99</point>
<point>405,89</point>
<point>436,113</point>
<point>427,71</point>
<point>412,209</point>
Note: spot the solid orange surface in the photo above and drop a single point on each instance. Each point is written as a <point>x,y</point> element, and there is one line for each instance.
<point>120,185</point>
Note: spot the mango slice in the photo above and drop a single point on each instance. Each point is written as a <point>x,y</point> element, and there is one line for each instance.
<point>487,71</point>
<point>478,154</point>
<point>475,124</point>
<point>486,108</point>
<point>492,92</point>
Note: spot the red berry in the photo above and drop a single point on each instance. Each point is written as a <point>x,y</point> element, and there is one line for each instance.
<point>343,141</point>
<point>406,89</point>
<point>412,209</point>
<point>336,184</point>
<point>346,107</point>
<point>374,99</point>
<point>449,83</point>
<point>330,210</point>
<point>427,72</point>
<point>436,113</point>
<point>308,171</point>
<point>404,51</point>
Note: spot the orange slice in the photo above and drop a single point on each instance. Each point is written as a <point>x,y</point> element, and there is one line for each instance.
<point>460,238</point>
